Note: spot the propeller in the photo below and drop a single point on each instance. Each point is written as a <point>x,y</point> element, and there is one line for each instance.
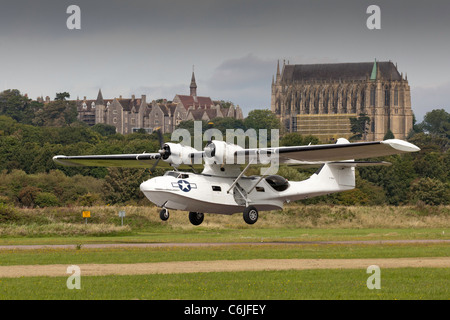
<point>164,152</point>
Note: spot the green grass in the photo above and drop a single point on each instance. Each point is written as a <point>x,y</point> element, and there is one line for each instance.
<point>205,234</point>
<point>296,223</point>
<point>404,283</point>
<point>235,252</point>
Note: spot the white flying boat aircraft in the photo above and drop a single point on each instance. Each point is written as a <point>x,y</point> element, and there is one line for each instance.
<point>222,186</point>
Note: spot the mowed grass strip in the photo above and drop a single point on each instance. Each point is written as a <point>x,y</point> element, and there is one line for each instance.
<point>402,283</point>
<point>229,234</point>
<point>226,252</point>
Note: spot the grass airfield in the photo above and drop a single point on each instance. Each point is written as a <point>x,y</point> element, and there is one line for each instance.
<point>298,232</point>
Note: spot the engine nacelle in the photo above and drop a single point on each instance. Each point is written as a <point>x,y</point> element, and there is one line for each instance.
<point>222,153</point>
<point>177,154</point>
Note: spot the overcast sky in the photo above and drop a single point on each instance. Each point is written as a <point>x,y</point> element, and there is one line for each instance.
<point>148,47</point>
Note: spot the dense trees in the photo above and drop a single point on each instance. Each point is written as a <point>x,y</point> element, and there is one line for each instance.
<point>29,177</point>
<point>13,104</point>
<point>436,122</point>
<point>359,126</point>
<point>55,113</point>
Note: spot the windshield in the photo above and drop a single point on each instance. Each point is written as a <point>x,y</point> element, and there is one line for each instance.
<point>172,174</point>
<point>278,182</point>
<point>175,174</point>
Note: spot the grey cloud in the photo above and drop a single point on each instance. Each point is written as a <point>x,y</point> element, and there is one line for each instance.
<point>425,99</point>
<point>125,45</point>
<point>242,73</point>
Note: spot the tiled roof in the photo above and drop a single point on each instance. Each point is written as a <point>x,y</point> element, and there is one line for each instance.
<point>337,71</point>
<point>189,101</point>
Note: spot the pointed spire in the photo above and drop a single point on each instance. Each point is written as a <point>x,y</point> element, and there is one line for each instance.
<point>193,85</point>
<point>99,101</point>
<point>278,71</point>
<point>373,76</point>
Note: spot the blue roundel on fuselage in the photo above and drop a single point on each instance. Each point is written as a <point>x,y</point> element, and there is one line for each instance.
<point>184,185</point>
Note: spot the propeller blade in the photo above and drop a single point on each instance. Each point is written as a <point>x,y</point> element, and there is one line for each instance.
<point>161,144</point>
<point>160,137</point>
<point>154,165</point>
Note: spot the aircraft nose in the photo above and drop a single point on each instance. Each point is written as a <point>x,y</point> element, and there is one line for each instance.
<point>147,185</point>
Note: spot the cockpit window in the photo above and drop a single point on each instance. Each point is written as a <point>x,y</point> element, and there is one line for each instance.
<point>277,182</point>
<point>176,175</point>
<point>172,174</point>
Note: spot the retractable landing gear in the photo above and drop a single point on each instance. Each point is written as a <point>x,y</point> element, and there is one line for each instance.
<point>164,214</point>
<point>196,218</point>
<point>250,215</point>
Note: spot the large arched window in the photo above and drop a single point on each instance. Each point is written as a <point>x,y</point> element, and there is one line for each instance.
<point>353,101</point>
<point>287,104</point>
<point>334,101</point>
<point>326,97</point>
<point>316,102</point>
<point>344,101</point>
<point>372,96</point>
<point>307,100</point>
<point>387,97</point>
<point>278,107</point>
<point>298,101</point>
<point>363,99</point>
<point>396,97</point>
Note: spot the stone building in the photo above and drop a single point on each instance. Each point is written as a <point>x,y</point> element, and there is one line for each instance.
<point>319,99</point>
<point>127,115</point>
<point>130,115</point>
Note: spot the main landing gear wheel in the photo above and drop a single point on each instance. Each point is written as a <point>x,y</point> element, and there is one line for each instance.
<point>164,214</point>
<point>250,215</point>
<point>196,218</point>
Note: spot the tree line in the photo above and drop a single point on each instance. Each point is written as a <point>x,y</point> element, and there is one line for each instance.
<point>29,177</point>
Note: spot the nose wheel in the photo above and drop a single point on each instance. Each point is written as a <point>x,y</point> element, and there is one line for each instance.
<point>164,214</point>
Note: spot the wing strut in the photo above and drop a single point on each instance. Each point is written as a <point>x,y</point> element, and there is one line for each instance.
<point>262,177</point>
<point>240,175</point>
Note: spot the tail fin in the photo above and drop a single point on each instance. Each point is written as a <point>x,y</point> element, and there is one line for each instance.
<point>340,173</point>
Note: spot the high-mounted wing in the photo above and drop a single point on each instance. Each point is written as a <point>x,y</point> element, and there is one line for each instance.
<point>142,160</point>
<point>342,150</point>
<point>218,153</point>
<point>170,154</point>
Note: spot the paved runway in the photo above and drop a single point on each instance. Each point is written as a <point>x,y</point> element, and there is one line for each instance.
<point>211,244</point>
